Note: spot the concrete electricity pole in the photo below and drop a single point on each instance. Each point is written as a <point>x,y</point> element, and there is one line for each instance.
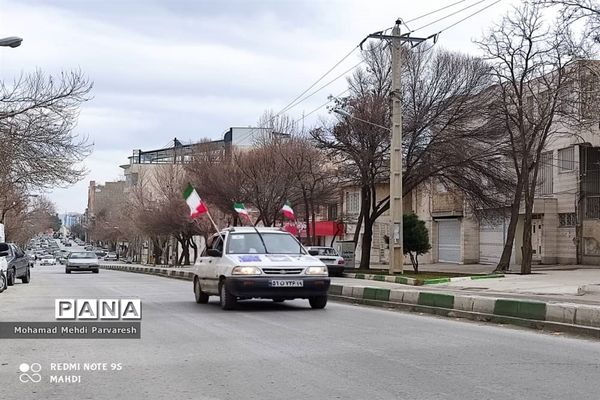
<point>396,240</point>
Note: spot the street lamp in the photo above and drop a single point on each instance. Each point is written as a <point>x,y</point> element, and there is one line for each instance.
<point>11,41</point>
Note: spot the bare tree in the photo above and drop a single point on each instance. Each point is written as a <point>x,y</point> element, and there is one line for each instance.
<point>29,218</point>
<point>266,180</point>
<point>572,11</point>
<point>531,65</point>
<point>38,114</point>
<point>444,133</point>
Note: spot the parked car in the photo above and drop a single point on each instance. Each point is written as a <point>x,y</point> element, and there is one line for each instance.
<point>99,253</point>
<point>111,257</point>
<point>4,251</point>
<point>82,261</point>
<point>47,260</point>
<point>244,263</point>
<point>18,265</point>
<point>330,257</point>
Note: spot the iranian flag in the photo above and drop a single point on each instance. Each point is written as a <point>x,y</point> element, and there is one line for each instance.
<point>193,200</point>
<point>288,211</point>
<point>241,210</point>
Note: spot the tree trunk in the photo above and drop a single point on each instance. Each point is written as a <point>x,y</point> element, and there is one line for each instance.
<point>358,228</point>
<point>414,261</point>
<point>365,255</point>
<point>314,224</point>
<point>504,263</point>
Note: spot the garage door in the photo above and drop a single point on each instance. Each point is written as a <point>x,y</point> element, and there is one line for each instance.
<point>449,240</point>
<point>492,233</point>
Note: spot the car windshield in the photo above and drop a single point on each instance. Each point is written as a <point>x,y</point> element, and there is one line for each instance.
<point>325,251</point>
<point>82,255</point>
<point>276,243</point>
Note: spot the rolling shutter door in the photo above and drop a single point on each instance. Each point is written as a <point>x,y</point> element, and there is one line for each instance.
<point>449,240</point>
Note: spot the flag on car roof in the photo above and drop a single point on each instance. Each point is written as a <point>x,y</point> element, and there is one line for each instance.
<point>193,200</point>
<point>288,211</point>
<point>241,210</point>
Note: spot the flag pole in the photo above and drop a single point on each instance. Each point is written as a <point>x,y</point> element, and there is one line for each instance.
<point>212,221</point>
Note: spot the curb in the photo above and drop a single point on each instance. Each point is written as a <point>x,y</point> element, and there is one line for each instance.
<point>418,282</point>
<point>166,272</point>
<point>564,317</point>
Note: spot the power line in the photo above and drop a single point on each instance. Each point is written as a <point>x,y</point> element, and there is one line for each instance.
<point>469,16</point>
<point>433,12</point>
<point>322,105</point>
<point>289,105</point>
<point>448,16</point>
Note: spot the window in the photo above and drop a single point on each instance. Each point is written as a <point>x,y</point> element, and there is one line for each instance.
<point>546,179</point>
<point>567,219</point>
<point>592,207</point>
<point>332,212</point>
<point>566,159</point>
<point>352,202</point>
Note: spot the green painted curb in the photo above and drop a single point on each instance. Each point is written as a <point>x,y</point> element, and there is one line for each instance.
<point>379,278</point>
<point>491,276</point>
<point>436,300</point>
<point>520,309</point>
<point>376,294</point>
<point>359,276</point>
<point>436,280</point>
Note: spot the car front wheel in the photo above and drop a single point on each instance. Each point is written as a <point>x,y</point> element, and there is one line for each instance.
<point>3,282</point>
<point>11,277</point>
<point>228,300</point>
<point>27,277</point>
<point>67,271</point>
<point>318,302</point>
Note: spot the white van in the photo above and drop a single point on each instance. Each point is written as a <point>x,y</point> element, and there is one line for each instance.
<point>245,262</point>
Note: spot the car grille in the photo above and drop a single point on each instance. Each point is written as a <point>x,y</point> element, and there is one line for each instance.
<point>282,271</point>
<point>328,260</point>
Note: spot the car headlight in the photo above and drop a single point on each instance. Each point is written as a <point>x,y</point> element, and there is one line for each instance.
<point>246,271</point>
<point>316,270</point>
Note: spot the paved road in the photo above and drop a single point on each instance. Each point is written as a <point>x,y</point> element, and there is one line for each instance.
<point>270,351</point>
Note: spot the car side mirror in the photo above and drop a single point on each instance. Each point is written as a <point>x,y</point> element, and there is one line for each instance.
<point>214,253</point>
<point>313,252</point>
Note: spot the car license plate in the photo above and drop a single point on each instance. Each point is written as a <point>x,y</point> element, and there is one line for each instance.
<point>286,283</point>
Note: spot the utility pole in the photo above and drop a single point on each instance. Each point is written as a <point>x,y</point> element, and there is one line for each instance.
<point>396,240</point>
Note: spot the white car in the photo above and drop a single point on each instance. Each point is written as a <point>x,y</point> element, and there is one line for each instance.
<point>3,267</point>
<point>244,262</point>
<point>82,261</point>
<point>330,257</point>
<point>47,260</point>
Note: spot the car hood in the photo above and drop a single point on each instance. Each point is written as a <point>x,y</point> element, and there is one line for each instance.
<point>275,260</point>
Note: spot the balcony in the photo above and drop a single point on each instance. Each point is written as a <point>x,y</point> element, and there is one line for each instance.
<point>446,204</point>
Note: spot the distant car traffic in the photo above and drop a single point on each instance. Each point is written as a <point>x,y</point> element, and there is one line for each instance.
<point>330,257</point>
<point>111,257</point>
<point>82,261</point>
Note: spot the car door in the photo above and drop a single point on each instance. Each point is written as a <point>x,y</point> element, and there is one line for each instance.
<point>208,267</point>
<point>22,262</point>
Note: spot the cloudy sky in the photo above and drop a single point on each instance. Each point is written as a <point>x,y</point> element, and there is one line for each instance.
<point>192,68</point>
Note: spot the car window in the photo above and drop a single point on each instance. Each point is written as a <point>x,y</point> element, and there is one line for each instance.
<point>276,243</point>
<point>82,255</point>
